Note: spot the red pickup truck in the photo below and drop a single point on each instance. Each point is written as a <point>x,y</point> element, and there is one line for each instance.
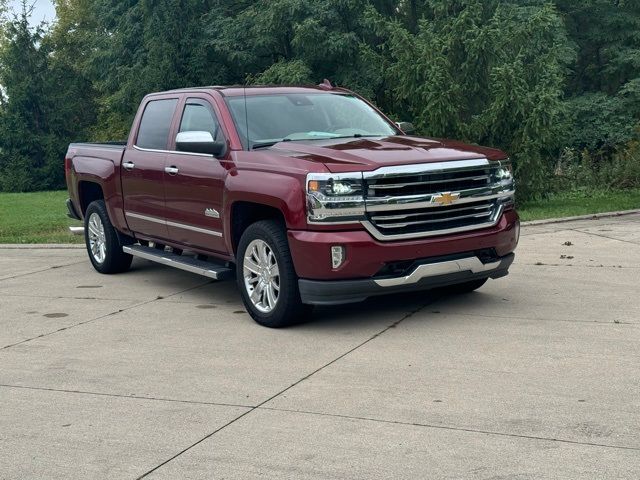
<point>310,194</point>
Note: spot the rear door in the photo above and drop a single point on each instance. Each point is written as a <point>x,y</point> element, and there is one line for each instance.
<point>143,170</point>
<point>194,188</point>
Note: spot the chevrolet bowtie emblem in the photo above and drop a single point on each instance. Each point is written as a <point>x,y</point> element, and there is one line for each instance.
<point>445,198</point>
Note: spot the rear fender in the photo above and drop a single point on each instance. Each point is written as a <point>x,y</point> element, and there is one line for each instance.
<point>103,173</point>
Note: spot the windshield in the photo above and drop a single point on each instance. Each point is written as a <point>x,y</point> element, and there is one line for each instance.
<point>291,117</point>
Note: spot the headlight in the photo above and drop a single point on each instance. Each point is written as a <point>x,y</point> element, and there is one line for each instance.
<point>335,198</point>
<point>504,182</point>
<point>504,172</point>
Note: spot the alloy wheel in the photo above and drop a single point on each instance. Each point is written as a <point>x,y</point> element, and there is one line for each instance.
<point>97,239</point>
<point>261,275</point>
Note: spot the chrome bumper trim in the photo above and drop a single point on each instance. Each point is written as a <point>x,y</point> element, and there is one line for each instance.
<point>470,264</point>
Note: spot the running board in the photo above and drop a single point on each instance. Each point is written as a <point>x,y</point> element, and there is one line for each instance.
<point>190,264</point>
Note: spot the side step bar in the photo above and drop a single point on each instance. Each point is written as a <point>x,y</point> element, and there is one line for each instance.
<point>190,264</point>
<point>76,230</point>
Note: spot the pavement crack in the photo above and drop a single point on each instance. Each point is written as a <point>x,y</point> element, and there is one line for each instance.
<point>605,236</point>
<point>539,319</point>
<point>453,428</point>
<point>54,267</point>
<point>573,265</point>
<point>56,297</point>
<point>339,357</point>
<point>119,395</point>
<point>124,309</point>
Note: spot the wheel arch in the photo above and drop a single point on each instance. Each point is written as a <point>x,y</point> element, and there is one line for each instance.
<point>89,191</point>
<point>245,214</point>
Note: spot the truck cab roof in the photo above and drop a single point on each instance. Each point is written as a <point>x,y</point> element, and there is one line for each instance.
<point>238,90</point>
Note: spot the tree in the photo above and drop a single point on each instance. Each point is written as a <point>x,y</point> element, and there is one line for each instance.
<point>604,85</point>
<point>529,76</point>
<point>25,142</point>
<point>488,71</point>
<point>136,48</point>
<point>40,108</point>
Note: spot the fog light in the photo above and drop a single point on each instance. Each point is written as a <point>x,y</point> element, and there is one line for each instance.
<point>337,256</point>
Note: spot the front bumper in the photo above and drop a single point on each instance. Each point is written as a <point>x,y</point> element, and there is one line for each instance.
<point>427,275</point>
<point>366,257</point>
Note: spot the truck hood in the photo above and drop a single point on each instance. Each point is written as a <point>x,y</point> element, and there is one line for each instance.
<point>356,154</point>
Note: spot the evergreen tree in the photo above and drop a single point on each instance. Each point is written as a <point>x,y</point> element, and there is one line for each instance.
<point>605,81</point>
<point>25,140</point>
<point>534,77</point>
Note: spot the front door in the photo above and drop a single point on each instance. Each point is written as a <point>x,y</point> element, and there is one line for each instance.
<point>194,184</point>
<point>143,171</point>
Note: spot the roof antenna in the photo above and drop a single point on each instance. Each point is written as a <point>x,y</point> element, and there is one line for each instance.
<point>326,85</point>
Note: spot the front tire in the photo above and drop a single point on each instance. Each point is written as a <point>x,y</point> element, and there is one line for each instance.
<point>103,244</point>
<point>266,278</point>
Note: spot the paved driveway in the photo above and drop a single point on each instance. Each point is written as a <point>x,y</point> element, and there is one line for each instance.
<point>160,374</point>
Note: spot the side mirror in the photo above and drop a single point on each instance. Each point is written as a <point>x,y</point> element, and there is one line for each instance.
<point>406,127</point>
<point>199,142</point>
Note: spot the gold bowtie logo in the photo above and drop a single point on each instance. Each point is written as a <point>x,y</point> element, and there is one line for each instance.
<point>445,198</point>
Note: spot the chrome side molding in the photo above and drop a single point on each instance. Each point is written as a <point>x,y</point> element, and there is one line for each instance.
<point>162,221</point>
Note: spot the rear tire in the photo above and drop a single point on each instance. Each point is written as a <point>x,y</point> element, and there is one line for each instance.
<point>102,241</point>
<point>266,278</point>
<point>466,287</point>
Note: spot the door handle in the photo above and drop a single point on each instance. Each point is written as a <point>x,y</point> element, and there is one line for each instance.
<point>171,170</point>
<point>128,166</point>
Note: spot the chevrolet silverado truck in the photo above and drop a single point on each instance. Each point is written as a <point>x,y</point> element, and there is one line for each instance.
<point>310,195</point>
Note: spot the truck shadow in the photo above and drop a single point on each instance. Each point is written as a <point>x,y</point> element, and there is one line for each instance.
<point>391,308</point>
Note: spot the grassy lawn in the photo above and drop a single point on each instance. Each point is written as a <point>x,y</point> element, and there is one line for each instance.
<point>41,217</point>
<point>574,204</point>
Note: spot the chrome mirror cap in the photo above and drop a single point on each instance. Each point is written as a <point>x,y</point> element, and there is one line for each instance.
<point>197,137</point>
<point>199,142</point>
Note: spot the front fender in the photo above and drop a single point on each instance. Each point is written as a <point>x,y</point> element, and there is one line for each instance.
<point>282,192</point>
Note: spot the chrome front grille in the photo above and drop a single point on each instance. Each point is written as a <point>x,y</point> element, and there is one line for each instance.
<point>428,183</point>
<point>402,202</point>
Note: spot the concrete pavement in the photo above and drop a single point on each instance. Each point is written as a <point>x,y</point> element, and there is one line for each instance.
<point>161,374</point>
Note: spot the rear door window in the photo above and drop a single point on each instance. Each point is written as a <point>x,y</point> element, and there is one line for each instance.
<point>156,124</point>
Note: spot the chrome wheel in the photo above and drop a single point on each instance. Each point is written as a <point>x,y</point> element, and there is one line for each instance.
<point>261,275</point>
<point>97,239</point>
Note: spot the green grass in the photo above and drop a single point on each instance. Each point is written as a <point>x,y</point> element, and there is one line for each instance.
<point>41,217</point>
<point>579,203</point>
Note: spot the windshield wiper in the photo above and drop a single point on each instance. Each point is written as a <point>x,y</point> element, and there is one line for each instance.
<point>268,144</point>
<point>271,143</point>
<point>360,135</point>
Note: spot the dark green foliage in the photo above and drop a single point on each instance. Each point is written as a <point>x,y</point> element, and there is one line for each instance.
<point>556,83</point>
<point>41,109</point>
<point>604,84</point>
<point>488,72</point>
